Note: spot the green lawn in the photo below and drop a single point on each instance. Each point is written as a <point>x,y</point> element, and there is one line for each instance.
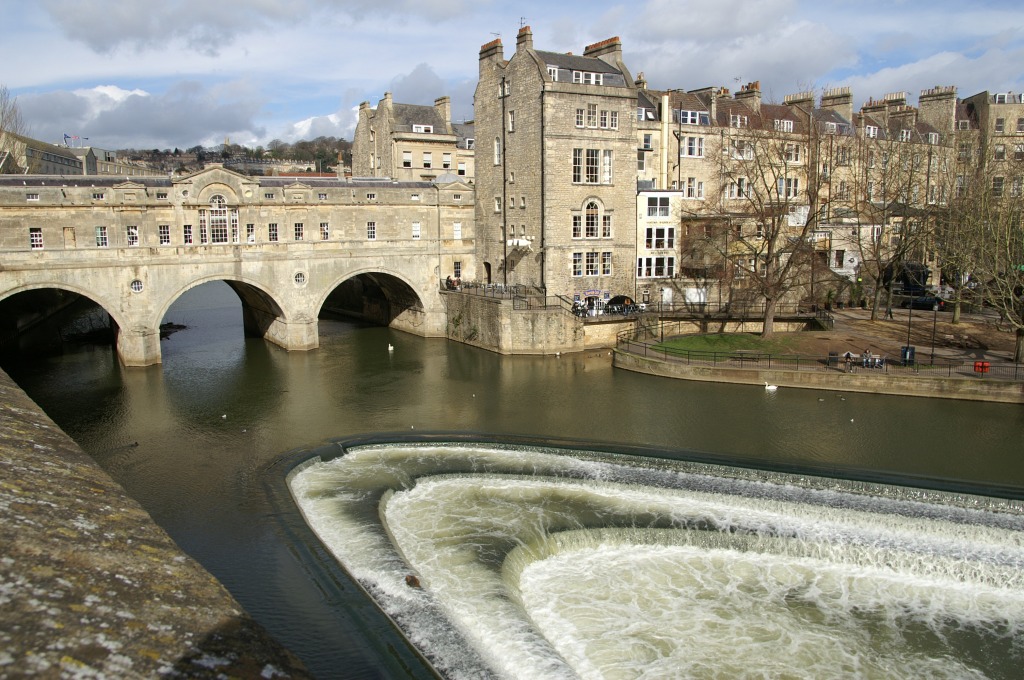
<point>731,342</point>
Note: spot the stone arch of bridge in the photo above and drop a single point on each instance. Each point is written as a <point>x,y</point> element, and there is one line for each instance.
<point>106,305</point>
<point>262,314</point>
<point>377,294</point>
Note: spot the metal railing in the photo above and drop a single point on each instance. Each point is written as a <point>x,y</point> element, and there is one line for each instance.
<point>724,310</point>
<point>834,362</point>
<point>495,290</point>
<point>540,301</point>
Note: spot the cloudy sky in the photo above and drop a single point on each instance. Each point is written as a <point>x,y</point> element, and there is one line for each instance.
<point>176,73</point>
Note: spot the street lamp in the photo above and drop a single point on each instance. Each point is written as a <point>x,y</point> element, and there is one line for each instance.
<point>910,316</point>
<point>661,315</point>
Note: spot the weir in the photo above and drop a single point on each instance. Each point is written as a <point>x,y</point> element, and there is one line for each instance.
<point>574,563</point>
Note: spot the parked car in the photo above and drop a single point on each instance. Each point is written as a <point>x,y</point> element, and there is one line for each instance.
<point>924,302</point>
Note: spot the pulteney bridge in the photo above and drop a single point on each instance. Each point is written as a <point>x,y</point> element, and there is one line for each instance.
<point>284,244</point>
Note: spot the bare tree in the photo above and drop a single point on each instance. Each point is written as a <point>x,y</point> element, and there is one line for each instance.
<point>988,216</point>
<point>12,126</point>
<point>959,230</point>
<point>771,186</point>
<point>892,200</point>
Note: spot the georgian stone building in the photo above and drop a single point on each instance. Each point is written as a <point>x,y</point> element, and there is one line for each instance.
<point>556,169</point>
<point>24,154</point>
<point>411,143</point>
<point>998,141</point>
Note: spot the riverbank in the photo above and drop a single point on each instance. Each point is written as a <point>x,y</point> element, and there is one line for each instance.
<point>92,587</point>
<point>977,339</point>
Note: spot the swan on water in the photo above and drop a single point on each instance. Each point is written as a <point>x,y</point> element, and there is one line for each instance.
<point>771,388</point>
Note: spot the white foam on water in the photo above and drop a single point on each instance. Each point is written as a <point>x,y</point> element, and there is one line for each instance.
<point>629,610</point>
<point>528,573</point>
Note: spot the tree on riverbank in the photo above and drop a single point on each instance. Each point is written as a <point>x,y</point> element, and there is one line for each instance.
<point>771,184</point>
<point>981,237</point>
<point>12,125</point>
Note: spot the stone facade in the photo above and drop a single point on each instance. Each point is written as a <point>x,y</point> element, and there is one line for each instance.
<point>496,324</point>
<point>31,155</point>
<point>283,244</point>
<point>999,144</point>
<point>409,143</point>
<point>556,173</point>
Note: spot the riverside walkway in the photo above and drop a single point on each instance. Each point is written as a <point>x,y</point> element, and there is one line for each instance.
<point>937,371</point>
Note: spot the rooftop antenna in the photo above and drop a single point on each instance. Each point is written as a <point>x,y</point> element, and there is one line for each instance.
<point>496,35</point>
<point>522,21</point>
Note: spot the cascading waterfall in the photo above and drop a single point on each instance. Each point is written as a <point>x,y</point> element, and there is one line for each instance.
<point>550,563</point>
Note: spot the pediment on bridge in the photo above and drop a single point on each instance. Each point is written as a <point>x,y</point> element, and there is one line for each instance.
<point>129,185</point>
<point>234,186</point>
<point>454,185</point>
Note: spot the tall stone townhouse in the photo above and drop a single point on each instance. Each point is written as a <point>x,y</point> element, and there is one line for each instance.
<point>556,169</point>
<point>997,144</point>
<point>411,143</point>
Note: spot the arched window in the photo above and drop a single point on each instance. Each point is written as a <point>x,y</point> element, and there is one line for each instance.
<point>592,219</point>
<point>218,221</point>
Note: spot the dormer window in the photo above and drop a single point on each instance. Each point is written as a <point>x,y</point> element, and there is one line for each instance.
<point>830,128</point>
<point>933,138</point>
<point>691,117</point>
<point>423,128</point>
<point>782,125</point>
<point>587,78</point>
<point>737,121</point>
<point>963,125</point>
<point>1001,98</point>
<point>904,135</point>
<point>470,143</point>
<point>871,131</point>
<point>553,72</point>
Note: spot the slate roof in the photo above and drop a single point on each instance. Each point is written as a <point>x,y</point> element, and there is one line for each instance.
<point>574,62</point>
<point>463,131</point>
<point>824,116</point>
<point>407,115</point>
<point>773,112</point>
<point>613,77</point>
<point>966,112</point>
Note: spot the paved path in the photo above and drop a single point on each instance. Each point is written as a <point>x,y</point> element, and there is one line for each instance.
<point>844,324</point>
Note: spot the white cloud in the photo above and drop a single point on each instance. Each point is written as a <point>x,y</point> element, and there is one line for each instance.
<point>182,72</point>
<point>106,25</point>
<point>710,22</point>
<point>115,118</point>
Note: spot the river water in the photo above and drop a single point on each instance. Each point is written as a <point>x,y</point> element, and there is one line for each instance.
<point>201,442</point>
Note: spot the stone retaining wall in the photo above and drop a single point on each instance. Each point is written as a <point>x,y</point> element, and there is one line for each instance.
<point>90,586</point>
<point>495,324</point>
<point>862,381</point>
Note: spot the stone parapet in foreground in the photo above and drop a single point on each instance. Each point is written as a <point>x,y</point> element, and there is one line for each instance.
<point>90,586</point>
